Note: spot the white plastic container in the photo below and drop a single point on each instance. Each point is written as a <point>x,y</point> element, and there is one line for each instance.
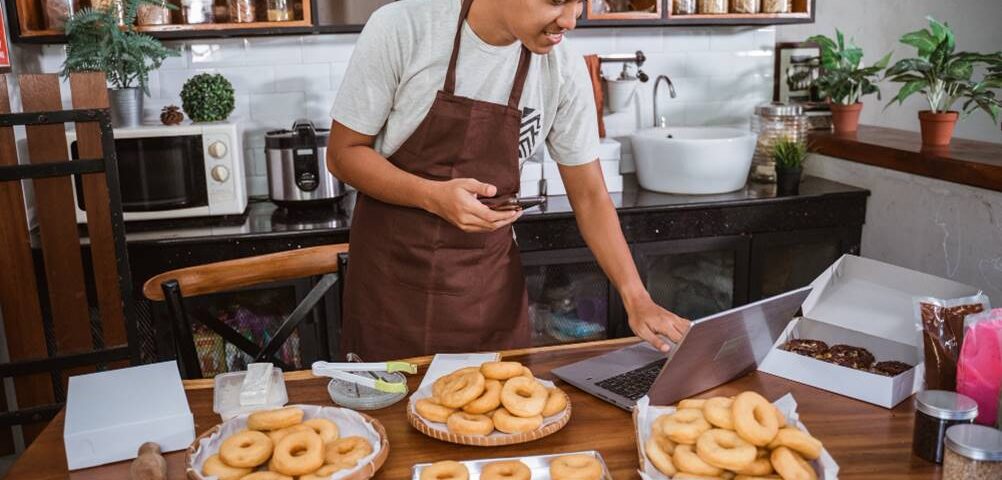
<point>226,394</point>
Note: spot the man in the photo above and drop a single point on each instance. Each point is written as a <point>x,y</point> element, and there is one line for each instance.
<point>441,101</point>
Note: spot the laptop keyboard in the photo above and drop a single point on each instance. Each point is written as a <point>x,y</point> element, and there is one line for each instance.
<point>635,383</point>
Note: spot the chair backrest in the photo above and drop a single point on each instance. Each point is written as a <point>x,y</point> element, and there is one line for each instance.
<point>54,324</point>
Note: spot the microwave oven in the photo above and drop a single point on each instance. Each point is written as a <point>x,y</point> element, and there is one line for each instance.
<point>177,171</point>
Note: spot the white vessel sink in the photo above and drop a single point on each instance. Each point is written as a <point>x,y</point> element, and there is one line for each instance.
<point>693,160</point>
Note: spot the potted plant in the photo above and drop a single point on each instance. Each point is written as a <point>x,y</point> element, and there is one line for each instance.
<point>207,97</point>
<point>789,155</point>
<point>844,80</point>
<point>96,41</point>
<point>945,77</point>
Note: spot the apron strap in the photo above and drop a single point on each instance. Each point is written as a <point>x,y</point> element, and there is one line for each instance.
<point>520,75</point>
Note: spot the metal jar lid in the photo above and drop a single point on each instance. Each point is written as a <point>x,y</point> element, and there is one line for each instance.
<point>779,109</point>
<point>946,405</point>
<point>976,442</point>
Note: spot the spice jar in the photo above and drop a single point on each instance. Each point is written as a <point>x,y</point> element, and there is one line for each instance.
<point>935,412</point>
<point>57,11</point>
<point>773,122</point>
<point>197,11</point>
<point>241,11</point>
<point>777,6</point>
<point>712,7</point>
<point>684,7</point>
<point>117,5</point>
<point>147,14</point>
<point>745,6</point>
<point>973,452</point>
<point>279,10</point>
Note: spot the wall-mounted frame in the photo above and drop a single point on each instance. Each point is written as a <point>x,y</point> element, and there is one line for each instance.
<point>798,64</point>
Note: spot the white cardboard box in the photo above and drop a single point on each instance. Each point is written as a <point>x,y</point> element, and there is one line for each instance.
<point>869,304</point>
<point>110,414</point>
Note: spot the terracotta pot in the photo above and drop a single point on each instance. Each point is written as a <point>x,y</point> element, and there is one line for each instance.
<point>845,118</point>
<point>937,128</point>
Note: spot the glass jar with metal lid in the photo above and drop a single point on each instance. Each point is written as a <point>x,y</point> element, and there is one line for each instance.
<point>684,7</point>
<point>935,412</point>
<point>773,122</point>
<point>973,452</point>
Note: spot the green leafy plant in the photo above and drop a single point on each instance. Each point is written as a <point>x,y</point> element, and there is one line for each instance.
<point>207,97</point>
<point>843,78</point>
<point>96,42</point>
<point>946,76</point>
<point>789,154</point>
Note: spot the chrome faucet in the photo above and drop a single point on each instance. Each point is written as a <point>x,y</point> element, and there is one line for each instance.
<point>659,120</point>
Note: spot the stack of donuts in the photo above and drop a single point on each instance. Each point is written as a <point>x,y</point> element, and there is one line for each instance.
<point>280,445</point>
<point>502,396</point>
<point>743,437</point>
<point>567,467</point>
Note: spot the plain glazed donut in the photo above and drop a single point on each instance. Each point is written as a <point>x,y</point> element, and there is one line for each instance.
<point>432,411</point>
<point>696,403</point>
<point>527,373</point>
<point>718,411</point>
<point>575,467</point>
<point>348,451</point>
<point>298,454</point>
<point>725,449</point>
<point>276,435</point>
<point>753,477</point>
<point>780,418</point>
<point>684,426</point>
<point>447,470</point>
<point>490,400</point>
<point>761,467</point>
<point>798,441</point>
<point>659,449</point>
<point>510,470</point>
<point>246,449</point>
<point>524,397</point>
<point>327,429</point>
<point>440,384</point>
<point>686,460</point>
<point>462,389</point>
<point>215,466</point>
<point>501,370</point>
<point>755,419</point>
<point>267,476</point>
<point>505,422</point>
<point>462,423</point>
<point>791,466</point>
<point>556,402</point>
<point>324,473</point>
<point>275,419</point>
<point>692,476</point>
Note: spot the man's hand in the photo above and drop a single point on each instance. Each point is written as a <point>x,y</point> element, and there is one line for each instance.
<point>456,201</point>
<point>648,320</point>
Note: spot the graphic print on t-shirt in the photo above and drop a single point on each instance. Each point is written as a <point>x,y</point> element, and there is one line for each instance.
<point>532,125</point>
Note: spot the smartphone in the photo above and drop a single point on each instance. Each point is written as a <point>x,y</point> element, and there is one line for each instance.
<point>512,202</point>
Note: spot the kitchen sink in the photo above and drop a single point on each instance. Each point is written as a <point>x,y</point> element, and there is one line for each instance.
<point>693,160</point>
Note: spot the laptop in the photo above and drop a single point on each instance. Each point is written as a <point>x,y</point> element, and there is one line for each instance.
<point>715,350</point>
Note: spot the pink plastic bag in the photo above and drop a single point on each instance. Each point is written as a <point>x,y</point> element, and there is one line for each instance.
<point>979,369</point>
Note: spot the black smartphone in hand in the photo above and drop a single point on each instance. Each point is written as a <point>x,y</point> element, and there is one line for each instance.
<point>512,202</point>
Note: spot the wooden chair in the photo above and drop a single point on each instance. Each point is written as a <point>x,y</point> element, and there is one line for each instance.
<point>55,325</point>
<point>172,287</point>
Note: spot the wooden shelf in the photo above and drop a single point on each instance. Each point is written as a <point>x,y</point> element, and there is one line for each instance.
<point>803,12</point>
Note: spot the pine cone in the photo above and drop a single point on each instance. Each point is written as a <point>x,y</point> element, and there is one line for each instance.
<point>171,115</point>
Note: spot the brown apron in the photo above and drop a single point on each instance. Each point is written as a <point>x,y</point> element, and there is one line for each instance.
<point>418,285</point>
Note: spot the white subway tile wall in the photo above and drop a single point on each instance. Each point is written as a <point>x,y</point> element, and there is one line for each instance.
<point>720,74</point>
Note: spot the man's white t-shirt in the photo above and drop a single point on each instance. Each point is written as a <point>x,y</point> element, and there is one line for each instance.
<point>400,61</point>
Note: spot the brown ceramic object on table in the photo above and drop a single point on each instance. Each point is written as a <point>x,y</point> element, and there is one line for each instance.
<point>937,128</point>
<point>845,118</point>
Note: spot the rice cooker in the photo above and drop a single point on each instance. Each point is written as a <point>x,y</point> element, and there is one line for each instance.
<point>297,167</point>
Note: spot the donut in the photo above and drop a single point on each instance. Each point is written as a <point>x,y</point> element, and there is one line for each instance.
<point>488,401</point>
<point>780,417</point>
<point>852,357</point>
<point>215,466</point>
<point>527,373</point>
<point>659,449</point>
<point>758,468</point>
<point>505,422</point>
<point>298,454</point>
<point>684,426</point>
<point>755,418</point>
<point>275,419</point>
<point>717,411</point>
<point>696,403</point>
<point>687,460</point>
<point>462,389</point>
<point>445,470</point>
<point>440,384</point>
<point>799,441</point>
<point>429,410</point>
<point>725,449</point>
<point>692,476</point>
<point>891,368</point>
<point>276,435</point>
<point>327,429</point>
<point>267,476</point>
<point>501,370</point>
<point>810,348</point>
<point>324,472</point>
<point>347,451</point>
<point>791,466</point>
<point>556,402</point>
<point>524,397</point>
<point>246,449</point>
<point>575,467</point>
<point>754,477</point>
<point>462,423</point>
<point>510,470</point>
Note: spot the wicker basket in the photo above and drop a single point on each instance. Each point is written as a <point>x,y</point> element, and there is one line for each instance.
<point>491,440</point>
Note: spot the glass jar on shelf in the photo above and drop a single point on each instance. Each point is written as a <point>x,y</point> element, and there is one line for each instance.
<point>712,7</point>
<point>772,122</point>
<point>197,11</point>
<point>110,4</point>
<point>56,12</point>
<point>745,6</point>
<point>280,10</point>
<point>147,14</point>
<point>683,7</point>
<point>242,11</point>
<point>777,6</point>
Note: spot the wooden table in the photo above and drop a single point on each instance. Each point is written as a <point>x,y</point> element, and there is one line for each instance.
<point>867,441</point>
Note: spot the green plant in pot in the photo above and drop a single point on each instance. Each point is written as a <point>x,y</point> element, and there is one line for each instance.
<point>844,80</point>
<point>946,77</point>
<point>207,97</point>
<point>97,42</point>
<point>790,155</point>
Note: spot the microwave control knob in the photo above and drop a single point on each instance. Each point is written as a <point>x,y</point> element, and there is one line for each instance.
<point>220,173</point>
<point>217,150</point>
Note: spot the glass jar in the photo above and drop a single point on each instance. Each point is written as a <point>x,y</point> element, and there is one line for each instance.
<point>147,14</point>
<point>745,6</point>
<point>684,7</point>
<point>935,412</point>
<point>241,11</point>
<point>197,11</point>
<point>57,11</point>
<point>973,452</point>
<point>777,6</point>
<point>109,4</point>
<point>712,7</point>
<point>279,10</point>
<point>772,122</point>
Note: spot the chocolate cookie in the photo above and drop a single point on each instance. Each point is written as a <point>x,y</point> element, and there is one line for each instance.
<point>852,357</point>
<point>891,368</point>
<point>807,347</point>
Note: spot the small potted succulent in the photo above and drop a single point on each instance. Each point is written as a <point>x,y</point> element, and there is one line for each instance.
<point>789,155</point>
<point>844,80</point>
<point>207,97</point>
<point>946,77</point>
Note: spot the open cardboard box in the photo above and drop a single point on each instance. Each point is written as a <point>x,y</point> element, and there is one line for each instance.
<point>869,304</point>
